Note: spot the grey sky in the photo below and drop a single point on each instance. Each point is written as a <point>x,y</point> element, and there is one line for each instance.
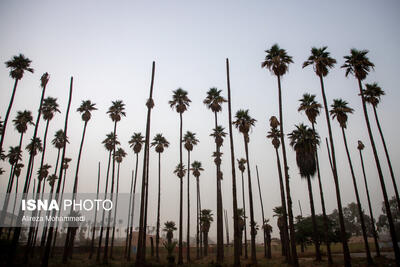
<point>108,47</point>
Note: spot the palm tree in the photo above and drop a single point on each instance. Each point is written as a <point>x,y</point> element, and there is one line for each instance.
<point>262,213</point>
<point>358,64</point>
<point>214,102</point>
<point>244,123</point>
<point>190,140</point>
<point>196,170</point>
<point>180,102</point>
<point>34,147</point>
<point>311,107</point>
<point>120,154</point>
<point>242,168</point>
<point>360,147</point>
<point>268,230</point>
<point>17,65</point>
<point>136,143</point>
<point>321,60</point>
<point>17,171</point>
<point>340,111</point>
<point>372,95</point>
<point>277,61</point>
<point>169,228</point>
<point>242,225</point>
<point>206,218</point>
<point>274,134</point>
<point>159,142</point>
<point>14,155</point>
<point>305,141</point>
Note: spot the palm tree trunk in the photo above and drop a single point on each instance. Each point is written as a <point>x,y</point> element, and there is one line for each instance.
<point>197,220</point>
<point>374,233</point>
<point>188,211</point>
<point>142,232</point>
<point>45,260</point>
<point>133,209</point>
<point>285,235</point>
<point>244,215</point>
<point>286,170</point>
<point>237,245</point>
<point>115,214</point>
<point>201,233</point>
<point>262,212</point>
<point>8,113</point>
<point>129,217</point>
<point>314,221</point>
<point>205,243</point>
<point>158,209</point>
<point>95,216</point>
<point>387,158</point>
<point>381,179</point>
<point>146,204</point>
<point>346,251</point>
<point>252,222</point>
<point>180,256</point>
<point>325,218</point>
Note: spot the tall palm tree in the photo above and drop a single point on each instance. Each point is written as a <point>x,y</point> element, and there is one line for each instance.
<point>18,65</point>
<point>196,170</point>
<point>14,156</point>
<point>274,134</point>
<point>180,102</point>
<point>116,111</point>
<point>304,141</point>
<point>311,108</point>
<point>340,111</point>
<point>322,62</point>
<point>190,140</point>
<point>206,218</point>
<point>268,230</point>
<point>360,148</point>
<point>214,101</point>
<point>242,225</point>
<point>262,213</point>
<point>120,154</point>
<point>359,65</point>
<point>33,148</point>
<point>159,142</point>
<point>242,168</point>
<point>244,122</point>
<point>372,96</point>
<point>136,143</point>
<point>277,61</point>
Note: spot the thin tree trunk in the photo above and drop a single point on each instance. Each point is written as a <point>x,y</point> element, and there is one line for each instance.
<point>244,219</point>
<point>197,220</point>
<point>262,212</point>
<point>201,233</point>
<point>205,244</point>
<point>158,209</point>
<point>133,209</point>
<point>8,113</point>
<point>180,256</point>
<point>387,158</point>
<point>129,217</point>
<point>374,233</point>
<point>146,204</point>
<point>343,236</point>
<point>314,221</point>
<point>237,245</point>
<point>115,214</point>
<point>286,171</point>
<point>188,211</point>
<point>360,211</point>
<point>95,216</point>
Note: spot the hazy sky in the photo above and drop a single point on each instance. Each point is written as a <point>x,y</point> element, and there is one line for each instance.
<point>108,47</point>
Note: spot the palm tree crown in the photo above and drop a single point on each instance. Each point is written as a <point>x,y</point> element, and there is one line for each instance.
<point>35,146</point>
<point>43,171</point>
<point>360,145</point>
<point>22,120</point>
<point>277,60</point>
<point>310,107</point>
<point>180,170</point>
<point>242,164</point>
<point>120,154</point>
<point>219,134</point>
<point>180,100</point>
<point>14,154</point>
<point>18,65</point>
<point>304,141</point>
<point>110,141</point>
<point>358,64</point>
<point>372,94</point>
<point>59,139</point>
<point>321,61</point>
<point>52,179</point>
<point>243,121</point>
<point>190,140</point>
<point>49,108</point>
<point>66,163</point>
<point>206,217</point>
<point>116,110</point>
<point>86,107</point>
<point>136,142</point>
<point>339,110</point>
<point>214,100</point>
<point>160,142</point>
<point>196,168</point>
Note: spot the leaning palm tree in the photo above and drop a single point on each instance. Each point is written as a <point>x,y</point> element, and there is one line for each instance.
<point>180,102</point>
<point>33,148</point>
<point>322,62</point>
<point>190,140</point>
<point>214,102</point>
<point>304,141</point>
<point>196,170</point>
<point>360,148</point>
<point>311,108</point>
<point>242,168</point>
<point>116,111</point>
<point>277,61</point>
<point>136,142</point>
<point>244,122</point>
<point>340,111</point>
<point>206,218</point>
<point>274,134</point>
<point>14,156</point>
<point>120,154</point>
<point>359,65</point>
<point>159,142</point>
<point>18,65</point>
<point>372,96</point>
